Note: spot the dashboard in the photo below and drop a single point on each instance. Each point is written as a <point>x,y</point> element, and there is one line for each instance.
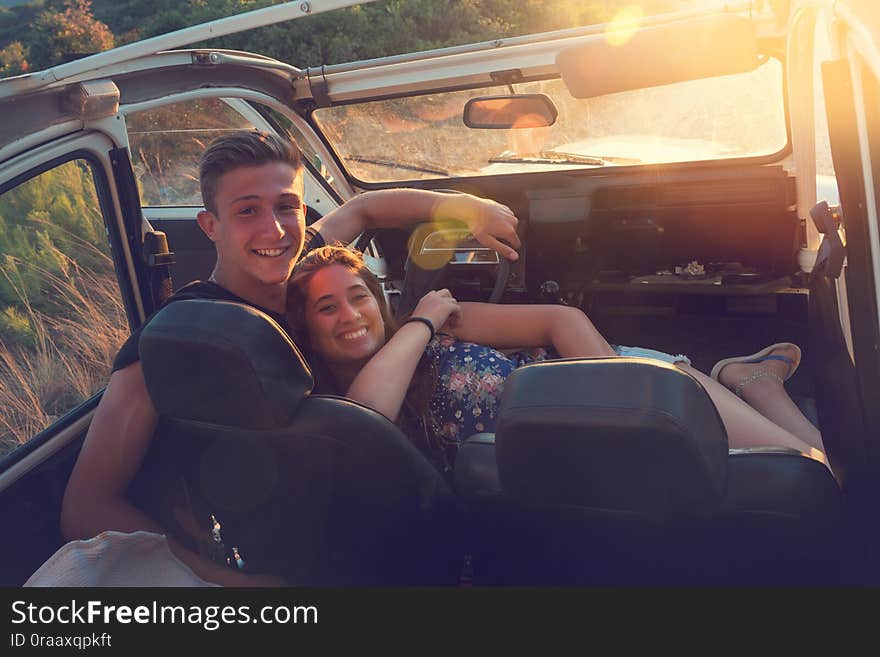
<point>732,231</point>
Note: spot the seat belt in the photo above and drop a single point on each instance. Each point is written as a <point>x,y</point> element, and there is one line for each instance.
<point>158,259</point>
<point>832,252</point>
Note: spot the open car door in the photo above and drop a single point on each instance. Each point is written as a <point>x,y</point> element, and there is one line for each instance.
<point>98,199</point>
<point>849,278</point>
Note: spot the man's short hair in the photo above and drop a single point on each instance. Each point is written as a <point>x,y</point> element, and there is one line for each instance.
<point>242,149</point>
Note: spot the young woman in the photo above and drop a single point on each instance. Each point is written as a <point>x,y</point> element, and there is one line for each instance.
<point>445,364</point>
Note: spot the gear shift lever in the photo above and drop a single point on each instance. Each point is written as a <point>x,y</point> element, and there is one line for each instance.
<point>549,292</point>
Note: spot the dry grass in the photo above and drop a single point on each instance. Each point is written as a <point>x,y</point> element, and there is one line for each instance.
<point>74,345</point>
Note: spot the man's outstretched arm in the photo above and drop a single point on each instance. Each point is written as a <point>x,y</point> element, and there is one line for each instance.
<point>492,224</point>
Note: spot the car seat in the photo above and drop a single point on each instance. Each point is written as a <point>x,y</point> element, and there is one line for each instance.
<point>618,472</point>
<point>246,462</point>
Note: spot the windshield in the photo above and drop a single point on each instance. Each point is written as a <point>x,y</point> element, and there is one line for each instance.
<point>424,137</point>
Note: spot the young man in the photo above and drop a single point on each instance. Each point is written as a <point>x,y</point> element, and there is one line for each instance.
<point>252,187</point>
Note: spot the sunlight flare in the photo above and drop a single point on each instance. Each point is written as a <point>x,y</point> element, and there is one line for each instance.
<point>624,25</point>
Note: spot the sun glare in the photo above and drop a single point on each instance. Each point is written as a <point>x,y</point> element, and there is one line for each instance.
<point>624,25</point>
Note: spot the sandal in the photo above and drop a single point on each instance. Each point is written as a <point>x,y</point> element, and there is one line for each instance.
<point>761,356</point>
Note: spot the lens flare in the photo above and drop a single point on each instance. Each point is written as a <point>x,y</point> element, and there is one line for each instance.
<point>447,215</point>
<point>624,25</point>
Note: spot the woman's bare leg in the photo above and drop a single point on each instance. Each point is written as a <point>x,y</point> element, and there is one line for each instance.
<point>745,426</point>
<point>768,396</point>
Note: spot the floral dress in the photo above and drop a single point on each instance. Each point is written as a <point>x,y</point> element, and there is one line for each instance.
<point>470,378</point>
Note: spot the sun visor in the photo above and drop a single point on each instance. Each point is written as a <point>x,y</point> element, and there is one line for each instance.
<point>684,50</point>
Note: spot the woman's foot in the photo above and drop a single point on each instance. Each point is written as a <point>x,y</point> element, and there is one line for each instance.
<point>748,374</point>
<point>758,379</point>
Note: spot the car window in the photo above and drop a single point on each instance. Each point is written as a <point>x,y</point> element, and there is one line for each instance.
<point>821,53</point>
<point>309,153</point>
<point>62,318</point>
<point>424,137</point>
<point>166,143</point>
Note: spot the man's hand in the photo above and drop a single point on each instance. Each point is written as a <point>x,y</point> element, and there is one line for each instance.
<point>491,223</point>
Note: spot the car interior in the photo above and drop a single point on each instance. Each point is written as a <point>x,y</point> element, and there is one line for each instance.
<point>602,472</point>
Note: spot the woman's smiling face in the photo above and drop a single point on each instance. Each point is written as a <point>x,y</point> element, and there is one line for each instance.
<point>343,318</point>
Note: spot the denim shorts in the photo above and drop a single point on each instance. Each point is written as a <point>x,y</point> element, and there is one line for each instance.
<point>639,352</point>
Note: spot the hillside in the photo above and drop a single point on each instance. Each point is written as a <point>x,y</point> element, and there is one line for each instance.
<point>364,31</point>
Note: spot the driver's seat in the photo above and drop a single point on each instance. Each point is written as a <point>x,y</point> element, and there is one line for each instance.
<point>320,490</point>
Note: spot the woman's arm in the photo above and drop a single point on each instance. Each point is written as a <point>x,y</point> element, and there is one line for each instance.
<point>383,382</point>
<point>503,326</point>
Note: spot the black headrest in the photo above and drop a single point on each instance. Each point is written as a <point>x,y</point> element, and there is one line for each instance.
<point>222,362</point>
<point>617,434</point>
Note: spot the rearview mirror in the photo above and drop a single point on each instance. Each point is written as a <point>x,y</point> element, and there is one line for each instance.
<point>673,52</point>
<point>513,111</point>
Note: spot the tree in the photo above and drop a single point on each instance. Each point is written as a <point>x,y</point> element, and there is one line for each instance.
<point>59,35</point>
<point>365,31</point>
<point>397,26</point>
<point>13,60</point>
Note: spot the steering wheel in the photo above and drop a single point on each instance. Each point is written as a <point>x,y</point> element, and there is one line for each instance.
<point>419,280</point>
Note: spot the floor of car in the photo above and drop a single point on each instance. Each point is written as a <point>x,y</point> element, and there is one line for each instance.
<point>707,329</point>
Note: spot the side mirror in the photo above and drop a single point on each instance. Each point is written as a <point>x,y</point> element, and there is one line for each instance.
<point>513,111</point>
<point>673,52</point>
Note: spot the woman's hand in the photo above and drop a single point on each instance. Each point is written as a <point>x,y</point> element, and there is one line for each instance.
<point>440,307</point>
<point>383,382</point>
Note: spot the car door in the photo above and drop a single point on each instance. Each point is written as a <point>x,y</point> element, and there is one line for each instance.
<point>69,299</point>
<point>76,158</point>
<point>851,79</point>
<point>72,291</point>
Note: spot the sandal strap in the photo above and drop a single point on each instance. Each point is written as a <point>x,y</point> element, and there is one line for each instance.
<point>754,376</point>
<point>785,359</point>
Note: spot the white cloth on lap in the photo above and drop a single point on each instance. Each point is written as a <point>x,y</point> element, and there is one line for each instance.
<point>139,559</point>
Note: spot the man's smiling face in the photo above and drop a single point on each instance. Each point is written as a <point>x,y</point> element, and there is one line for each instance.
<point>258,227</point>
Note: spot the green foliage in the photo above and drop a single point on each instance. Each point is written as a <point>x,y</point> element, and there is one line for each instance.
<point>361,32</point>
<point>15,329</point>
<point>15,23</point>
<point>47,224</point>
<point>74,31</point>
<point>61,315</point>
<point>14,60</point>
<point>398,26</point>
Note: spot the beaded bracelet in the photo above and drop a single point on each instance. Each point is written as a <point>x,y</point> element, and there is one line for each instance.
<point>424,320</point>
